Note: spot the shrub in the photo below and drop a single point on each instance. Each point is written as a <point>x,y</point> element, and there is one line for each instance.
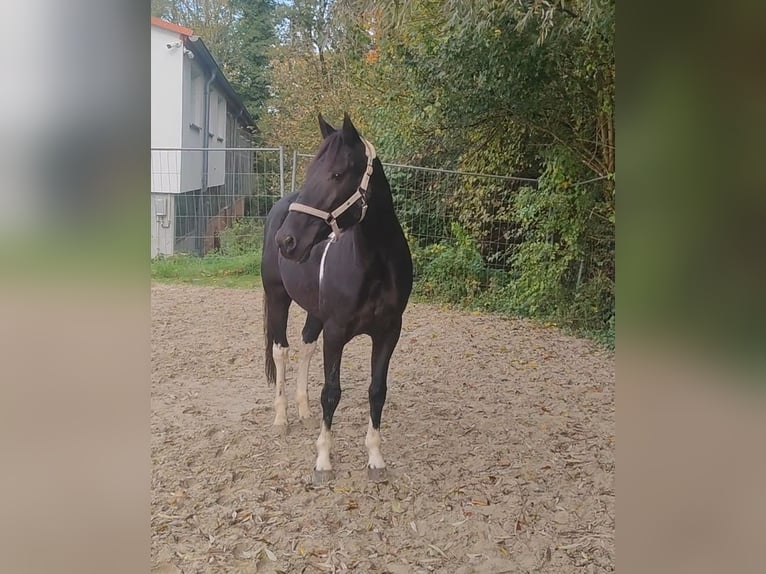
<point>451,272</point>
<point>243,237</point>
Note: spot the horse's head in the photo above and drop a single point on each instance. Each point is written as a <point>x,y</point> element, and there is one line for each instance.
<point>334,195</point>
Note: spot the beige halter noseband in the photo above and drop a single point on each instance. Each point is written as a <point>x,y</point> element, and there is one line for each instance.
<point>330,218</point>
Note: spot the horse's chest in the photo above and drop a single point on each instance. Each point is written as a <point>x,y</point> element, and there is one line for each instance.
<point>343,283</point>
<point>358,293</point>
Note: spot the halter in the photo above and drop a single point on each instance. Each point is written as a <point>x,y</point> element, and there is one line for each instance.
<point>330,218</point>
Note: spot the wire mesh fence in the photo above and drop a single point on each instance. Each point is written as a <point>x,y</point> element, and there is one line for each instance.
<point>202,198</point>
<point>434,205</point>
<point>463,228</point>
<point>206,200</point>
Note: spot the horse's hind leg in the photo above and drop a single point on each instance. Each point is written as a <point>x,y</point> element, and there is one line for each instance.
<point>278,305</point>
<point>311,330</point>
<point>383,346</point>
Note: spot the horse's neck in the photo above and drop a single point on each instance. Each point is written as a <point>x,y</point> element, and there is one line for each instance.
<point>380,226</point>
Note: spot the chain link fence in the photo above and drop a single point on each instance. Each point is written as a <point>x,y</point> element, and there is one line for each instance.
<point>202,196</point>
<point>206,200</point>
<point>435,205</point>
<point>463,228</point>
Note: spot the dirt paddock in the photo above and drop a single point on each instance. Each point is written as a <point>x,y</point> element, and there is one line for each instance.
<point>498,435</point>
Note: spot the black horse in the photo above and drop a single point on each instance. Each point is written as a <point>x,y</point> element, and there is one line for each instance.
<point>336,248</point>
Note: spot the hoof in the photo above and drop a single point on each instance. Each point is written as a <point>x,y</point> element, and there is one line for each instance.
<point>323,477</point>
<point>279,430</point>
<point>377,474</point>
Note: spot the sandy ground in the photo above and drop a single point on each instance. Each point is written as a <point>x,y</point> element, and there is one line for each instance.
<point>498,435</point>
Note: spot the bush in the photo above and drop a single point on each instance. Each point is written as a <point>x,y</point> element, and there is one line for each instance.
<point>451,272</point>
<point>245,236</point>
<point>564,267</point>
<point>560,268</point>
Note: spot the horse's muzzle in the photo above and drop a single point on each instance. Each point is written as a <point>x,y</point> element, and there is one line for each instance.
<point>286,244</point>
<point>290,250</point>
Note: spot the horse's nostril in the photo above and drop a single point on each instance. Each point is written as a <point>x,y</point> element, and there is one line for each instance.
<point>287,243</point>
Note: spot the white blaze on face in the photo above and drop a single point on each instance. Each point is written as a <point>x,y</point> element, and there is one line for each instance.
<point>301,392</point>
<point>324,446</point>
<point>372,442</point>
<point>280,401</point>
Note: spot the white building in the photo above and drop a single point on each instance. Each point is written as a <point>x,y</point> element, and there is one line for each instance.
<point>194,109</point>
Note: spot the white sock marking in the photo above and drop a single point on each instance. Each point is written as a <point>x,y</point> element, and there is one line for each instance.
<point>301,392</point>
<point>280,401</point>
<point>372,442</point>
<point>324,446</point>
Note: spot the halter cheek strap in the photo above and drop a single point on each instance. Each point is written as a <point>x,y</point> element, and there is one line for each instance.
<point>331,217</point>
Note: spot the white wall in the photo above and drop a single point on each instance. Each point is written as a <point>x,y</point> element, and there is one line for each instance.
<point>167,86</point>
<point>177,99</point>
<point>163,231</point>
<point>193,96</point>
<point>167,94</point>
<point>193,118</point>
<point>194,80</point>
<point>217,160</point>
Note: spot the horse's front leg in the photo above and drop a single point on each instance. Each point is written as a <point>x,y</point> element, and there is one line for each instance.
<point>280,400</point>
<point>332,351</point>
<point>311,330</point>
<point>383,346</point>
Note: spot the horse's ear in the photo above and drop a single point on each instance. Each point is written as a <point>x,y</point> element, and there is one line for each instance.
<point>326,129</point>
<point>349,131</point>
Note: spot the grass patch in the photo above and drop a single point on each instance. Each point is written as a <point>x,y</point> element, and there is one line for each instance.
<point>240,271</point>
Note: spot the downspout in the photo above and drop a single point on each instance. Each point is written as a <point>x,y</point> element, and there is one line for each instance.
<point>205,160</point>
<point>237,184</point>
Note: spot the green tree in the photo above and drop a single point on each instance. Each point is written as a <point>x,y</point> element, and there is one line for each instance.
<point>523,88</point>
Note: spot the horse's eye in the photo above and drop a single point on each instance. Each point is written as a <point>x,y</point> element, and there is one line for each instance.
<point>337,175</point>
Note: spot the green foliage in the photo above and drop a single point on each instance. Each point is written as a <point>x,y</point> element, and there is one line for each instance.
<point>451,272</point>
<point>423,208</point>
<point>503,87</point>
<point>259,205</point>
<point>243,237</point>
<point>564,267</point>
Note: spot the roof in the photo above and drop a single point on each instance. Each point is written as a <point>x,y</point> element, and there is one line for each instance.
<point>172,27</point>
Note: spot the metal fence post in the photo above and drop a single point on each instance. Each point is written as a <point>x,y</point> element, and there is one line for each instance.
<point>281,171</point>
<point>295,168</point>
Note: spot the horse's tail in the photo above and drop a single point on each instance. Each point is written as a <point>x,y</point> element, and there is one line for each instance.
<point>271,368</point>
